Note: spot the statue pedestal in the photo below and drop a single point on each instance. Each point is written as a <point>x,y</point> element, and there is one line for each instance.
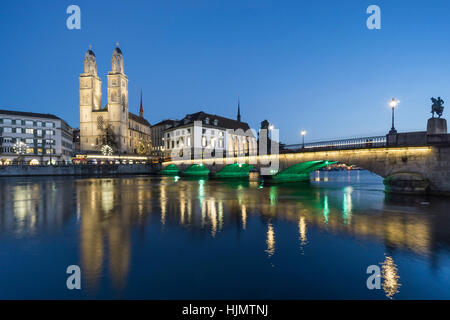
<point>437,126</point>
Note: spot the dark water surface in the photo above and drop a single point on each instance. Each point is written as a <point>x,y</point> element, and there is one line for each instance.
<point>162,238</point>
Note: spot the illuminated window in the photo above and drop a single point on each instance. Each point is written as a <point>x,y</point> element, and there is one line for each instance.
<point>30,150</point>
<point>29,131</point>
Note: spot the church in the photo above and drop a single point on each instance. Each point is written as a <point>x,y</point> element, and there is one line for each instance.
<point>112,128</point>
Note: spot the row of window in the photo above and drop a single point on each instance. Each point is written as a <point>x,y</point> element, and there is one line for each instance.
<point>28,141</point>
<point>29,123</point>
<point>179,143</point>
<point>37,132</point>
<point>188,132</point>
<point>38,151</point>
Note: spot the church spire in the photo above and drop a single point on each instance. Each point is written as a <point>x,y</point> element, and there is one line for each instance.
<point>239,111</point>
<point>141,110</point>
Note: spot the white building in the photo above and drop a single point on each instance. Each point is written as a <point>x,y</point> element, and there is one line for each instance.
<point>202,133</point>
<point>36,137</point>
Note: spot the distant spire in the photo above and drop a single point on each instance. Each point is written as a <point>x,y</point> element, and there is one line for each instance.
<point>239,111</point>
<point>141,110</point>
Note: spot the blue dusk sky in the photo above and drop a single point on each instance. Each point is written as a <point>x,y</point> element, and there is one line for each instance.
<point>311,65</point>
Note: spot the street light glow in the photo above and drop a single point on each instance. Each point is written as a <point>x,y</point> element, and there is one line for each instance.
<point>271,127</point>
<point>394,103</point>
<point>303,132</point>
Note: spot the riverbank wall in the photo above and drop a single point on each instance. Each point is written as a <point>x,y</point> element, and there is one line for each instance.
<point>78,170</point>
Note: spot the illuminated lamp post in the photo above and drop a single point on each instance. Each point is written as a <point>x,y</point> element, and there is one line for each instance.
<point>393,104</point>
<point>303,133</point>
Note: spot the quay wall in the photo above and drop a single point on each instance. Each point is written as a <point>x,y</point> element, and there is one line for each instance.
<point>78,170</point>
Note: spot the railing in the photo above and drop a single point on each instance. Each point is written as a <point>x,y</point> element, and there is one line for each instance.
<point>355,143</point>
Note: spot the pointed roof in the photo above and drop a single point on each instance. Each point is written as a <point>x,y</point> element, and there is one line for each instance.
<point>239,111</point>
<point>141,109</point>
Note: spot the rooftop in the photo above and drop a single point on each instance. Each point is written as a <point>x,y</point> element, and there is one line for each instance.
<point>136,118</point>
<point>29,114</point>
<point>222,122</point>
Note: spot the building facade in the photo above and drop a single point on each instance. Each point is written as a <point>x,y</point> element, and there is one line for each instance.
<point>34,138</point>
<point>157,133</point>
<point>202,133</point>
<point>112,125</point>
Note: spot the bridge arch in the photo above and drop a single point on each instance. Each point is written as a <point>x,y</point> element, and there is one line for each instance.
<point>235,170</point>
<point>300,171</point>
<point>170,170</point>
<point>196,170</point>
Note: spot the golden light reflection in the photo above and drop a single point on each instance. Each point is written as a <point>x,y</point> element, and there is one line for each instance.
<point>302,230</point>
<point>107,191</point>
<point>244,216</point>
<point>212,213</point>
<point>270,241</point>
<point>347,205</point>
<point>390,276</point>
<point>163,202</point>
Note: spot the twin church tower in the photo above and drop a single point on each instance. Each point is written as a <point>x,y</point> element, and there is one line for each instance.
<point>131,133</point>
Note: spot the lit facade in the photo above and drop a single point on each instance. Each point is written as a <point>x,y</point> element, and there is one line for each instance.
<point>203,133</point>
<point>112,125</point>
<point>42,137</point>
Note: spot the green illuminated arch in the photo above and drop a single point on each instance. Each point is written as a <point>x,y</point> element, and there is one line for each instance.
<point>170,170</point>
<point>235,170</point>
<point>196,170</point>
<point>300,171</point>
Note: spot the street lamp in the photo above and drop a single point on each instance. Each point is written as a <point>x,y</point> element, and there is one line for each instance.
<point>393,104</point>
<point>303,138</point>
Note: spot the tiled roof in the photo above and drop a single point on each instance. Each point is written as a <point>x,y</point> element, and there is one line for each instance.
<point>167,121</point>
<point>29,114</point>
<point>222,122</point>
<point>136,118</point>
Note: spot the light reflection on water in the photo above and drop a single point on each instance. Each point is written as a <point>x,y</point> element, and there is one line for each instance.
<point>151,237</point>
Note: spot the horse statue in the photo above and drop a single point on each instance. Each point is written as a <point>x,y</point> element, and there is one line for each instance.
<point>437,106</point>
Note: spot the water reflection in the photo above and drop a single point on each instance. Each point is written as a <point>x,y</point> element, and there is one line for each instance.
<point>390,276</point>
<point>108,212</point>
<point>270,240</point>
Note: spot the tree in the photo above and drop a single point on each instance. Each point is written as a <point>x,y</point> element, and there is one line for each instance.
<point>108,137</point>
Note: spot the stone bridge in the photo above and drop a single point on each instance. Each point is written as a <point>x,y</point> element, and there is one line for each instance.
<point>408,162</point>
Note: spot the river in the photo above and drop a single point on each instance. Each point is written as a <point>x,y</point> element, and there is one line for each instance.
<point>148,237</point>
